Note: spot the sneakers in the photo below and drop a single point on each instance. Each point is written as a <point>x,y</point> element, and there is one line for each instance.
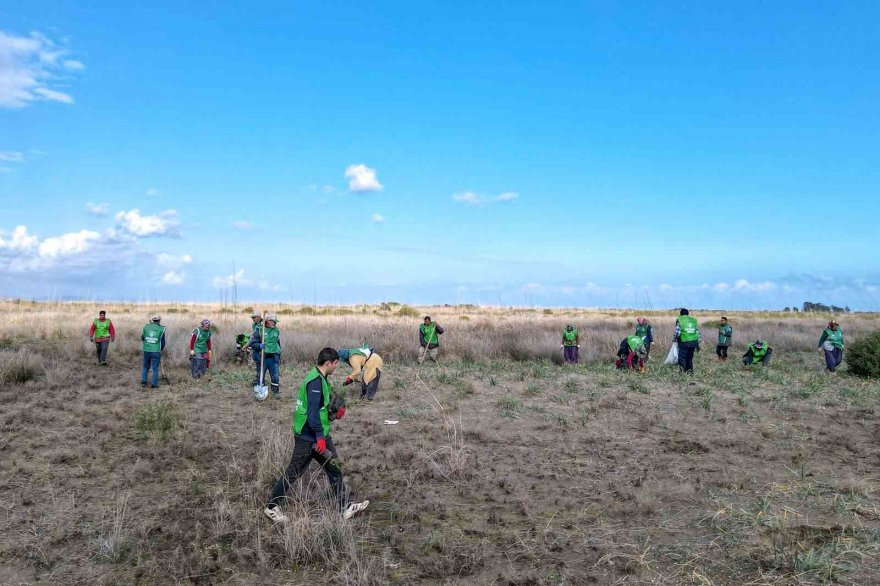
<point>275,514</point>
<point>355,508</point>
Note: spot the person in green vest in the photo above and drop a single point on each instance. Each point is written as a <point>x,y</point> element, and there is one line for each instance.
<point>242,348</point>
<point>725,336</point>
<point>687,335</point>
<point>200,349</point>
<point>429,340</point>
<point>256,322</point>
<point>102,333</point>
<point>758,352</point>
<point>312,416</point>
<point>644,331</point>
<point>153,337</point>
<point>632,353</point>
<point>570,344</point>
<point>271,349</point>
<point>831,343</point>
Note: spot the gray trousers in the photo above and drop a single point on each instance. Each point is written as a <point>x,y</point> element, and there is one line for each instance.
<point>199,364</point>
<point>101,350</point>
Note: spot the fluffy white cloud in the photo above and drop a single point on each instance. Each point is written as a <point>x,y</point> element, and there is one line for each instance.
<point>31,69</point>
<point>67,244</point>
<point>478,199</point>
<point>173,278</point>
<point>98,209</point>
<point>11,156</point>
<point>242,225</point>
<point>236,278</point>
<point>377,218</point>
<point>19,240</point>
<point>134,224</point>
<point>362,178</point>
<point>171,261</point>
<point>743,285</point>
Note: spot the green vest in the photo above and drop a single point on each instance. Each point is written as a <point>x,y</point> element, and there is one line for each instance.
<point>356,351</point>
<point>152,334</point>
<point>257,326</point>
<point>202,337</point>
<point>641,330</point>
<point>688,331</point>
<point>725,333</point>
<point>271,340</point>
<point>102,328</point>
<point>634,342</point>
<point>429,333</point>
<point>757,355</point>
<point>835,337</point>
<point>300,413</point>
<point>570,338</point>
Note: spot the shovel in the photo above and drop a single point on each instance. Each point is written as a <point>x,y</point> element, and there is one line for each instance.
<point>260,390</point>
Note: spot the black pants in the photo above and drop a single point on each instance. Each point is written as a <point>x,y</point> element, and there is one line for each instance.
<point>101,350</point>
<point>303,454</point>
<point>686,356</point>
<point>721,351</point>
<point>369,389</point>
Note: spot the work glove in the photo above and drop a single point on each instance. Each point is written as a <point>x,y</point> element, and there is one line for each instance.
<point>579,345</point>
<point>262,346</point>
<point>112,339</point>
<point>321,445</point>
<point>562,345</point>
<point>192,352</point>
<point>340,413</point>
<point>91,338</point>
<point>347,382</point>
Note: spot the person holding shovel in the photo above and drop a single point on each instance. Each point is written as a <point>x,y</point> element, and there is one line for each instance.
<point>570,344</point>
<point>200,349</point>
<point>256,322</point>
<point>366,366</point>
<point>102,333</point>
<point>429,340</point>
<point>153,337</point>
<point>311,440</point>
<point>831,343</point>
<point>266,346</point>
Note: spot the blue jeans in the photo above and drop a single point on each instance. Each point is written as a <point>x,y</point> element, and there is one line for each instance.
<point>270,366</point>
<point>151,360</point>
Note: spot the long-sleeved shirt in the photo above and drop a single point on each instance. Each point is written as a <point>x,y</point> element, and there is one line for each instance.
<point>313,429</point>
<point>111,330</point>
<point>256,340</point>
<point>438,330</point>
<point>192,342</point>
<point>369,366</point>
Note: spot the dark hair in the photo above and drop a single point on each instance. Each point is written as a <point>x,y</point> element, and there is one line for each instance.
<point>724,318</point>
<point>427,317</point>
<point>102,311</point>
<point>327,355</point>
<point>684,312</point>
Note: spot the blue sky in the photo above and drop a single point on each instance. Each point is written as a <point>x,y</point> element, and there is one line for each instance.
<point>637,154</point>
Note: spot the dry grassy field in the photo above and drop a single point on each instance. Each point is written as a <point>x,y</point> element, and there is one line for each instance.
<point>506,468</point>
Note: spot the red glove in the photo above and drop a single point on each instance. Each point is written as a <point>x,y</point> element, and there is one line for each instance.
<point>348,381</point>
<point>321,445</point>
<point>340,413</point>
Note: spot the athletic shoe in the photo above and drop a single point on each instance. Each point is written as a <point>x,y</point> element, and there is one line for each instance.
<point>355,508</point>
<point>275,514</point>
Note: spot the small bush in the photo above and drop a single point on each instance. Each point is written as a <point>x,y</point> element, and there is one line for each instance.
<point>863,356</point>
<point>17,368</point>
<point>308,311</point>
<point>156,421</point>
<point>408,311</point>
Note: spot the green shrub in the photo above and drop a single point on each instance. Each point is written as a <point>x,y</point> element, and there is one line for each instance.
<point>156,421</point>
<point>248,310</point>
<point>408,311</point>
<point>863,356</point>
<point>308,311</point>
<point>548,312</point>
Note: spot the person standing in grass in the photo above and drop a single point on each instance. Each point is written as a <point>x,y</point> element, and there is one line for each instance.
<point>725,336</point>
<point>102,333</point>
<point>687,334</point>
<point>200,349</point>
<point>153,337</point>
<point>429,340</point>
<point>256,322</point>
<point>312,441</point>
<point>270,346</point>
<point>758,352</point>
<point>366,366</point>
<point>570,344</point>
<point>643,330</point>
<point>831,343</point>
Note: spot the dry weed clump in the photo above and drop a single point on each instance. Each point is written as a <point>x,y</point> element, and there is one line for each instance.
<point>21,366</point>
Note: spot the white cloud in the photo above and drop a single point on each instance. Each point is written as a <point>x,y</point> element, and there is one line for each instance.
<point>133,223</point>
<point>242,225</point>
<point>67,244</point>
<point>478,199</point>
<point>236,278</point>
<point>173,278</point>
<point>152,192</point>
<point>98,209</point>
<point>11,156</point>
<point>362,178</point>
<point>171,261</point>
<point>743,285</point>
<point>18,240</point>
<point>31,69</point>
<point>377,218</point>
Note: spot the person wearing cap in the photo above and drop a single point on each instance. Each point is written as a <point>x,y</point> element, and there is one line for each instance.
<point>725,336</point>
<point>256,322</point>
<point>570,344</point>
<point>687,335</point>
<point>429,340</point>
<point>366,367</point>
<point>270,345</point>
<point>758,352</point>
<point>102,333</point>
<point>831,343</point>
<point>644,331</point>
<point>200,349</point>
<point>153,337</point>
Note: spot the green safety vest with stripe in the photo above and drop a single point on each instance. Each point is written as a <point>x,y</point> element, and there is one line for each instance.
<point>102,328</point>
<point>301,412</point>
<point>570,338</point>
<point>152,334</point>
<point>725,333</point>
<point>271,340</point>
<point>635,342</point>
<point>202,337</point>
<point>641,330</point>
<point>429,333</point>
<point>687,329</point>
<point>758,354</point>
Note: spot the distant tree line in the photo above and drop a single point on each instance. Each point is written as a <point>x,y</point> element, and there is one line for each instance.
<point>818,308</point>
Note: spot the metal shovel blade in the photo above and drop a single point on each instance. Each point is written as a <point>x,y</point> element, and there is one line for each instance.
<point>261,392</point>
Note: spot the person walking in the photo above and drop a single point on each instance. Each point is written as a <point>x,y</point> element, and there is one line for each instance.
<point>200,349</point>
<point>570,344</point>
<point>687,334</point>
<point>758,352</point>
<point>312,441</point>
<point>270,346</point>
<point>831,343</point>
<point>102,333</point>
<point>153,337</point>
<point>644,331</point>
<point>366,366</point>
<point>429,340</point>
<point>725,337</point>
<point>632,353</point>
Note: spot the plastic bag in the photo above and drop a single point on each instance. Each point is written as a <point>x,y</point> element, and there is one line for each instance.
<point>672,357</point>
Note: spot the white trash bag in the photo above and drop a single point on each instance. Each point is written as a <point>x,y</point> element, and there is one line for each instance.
<point>672,357</point>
